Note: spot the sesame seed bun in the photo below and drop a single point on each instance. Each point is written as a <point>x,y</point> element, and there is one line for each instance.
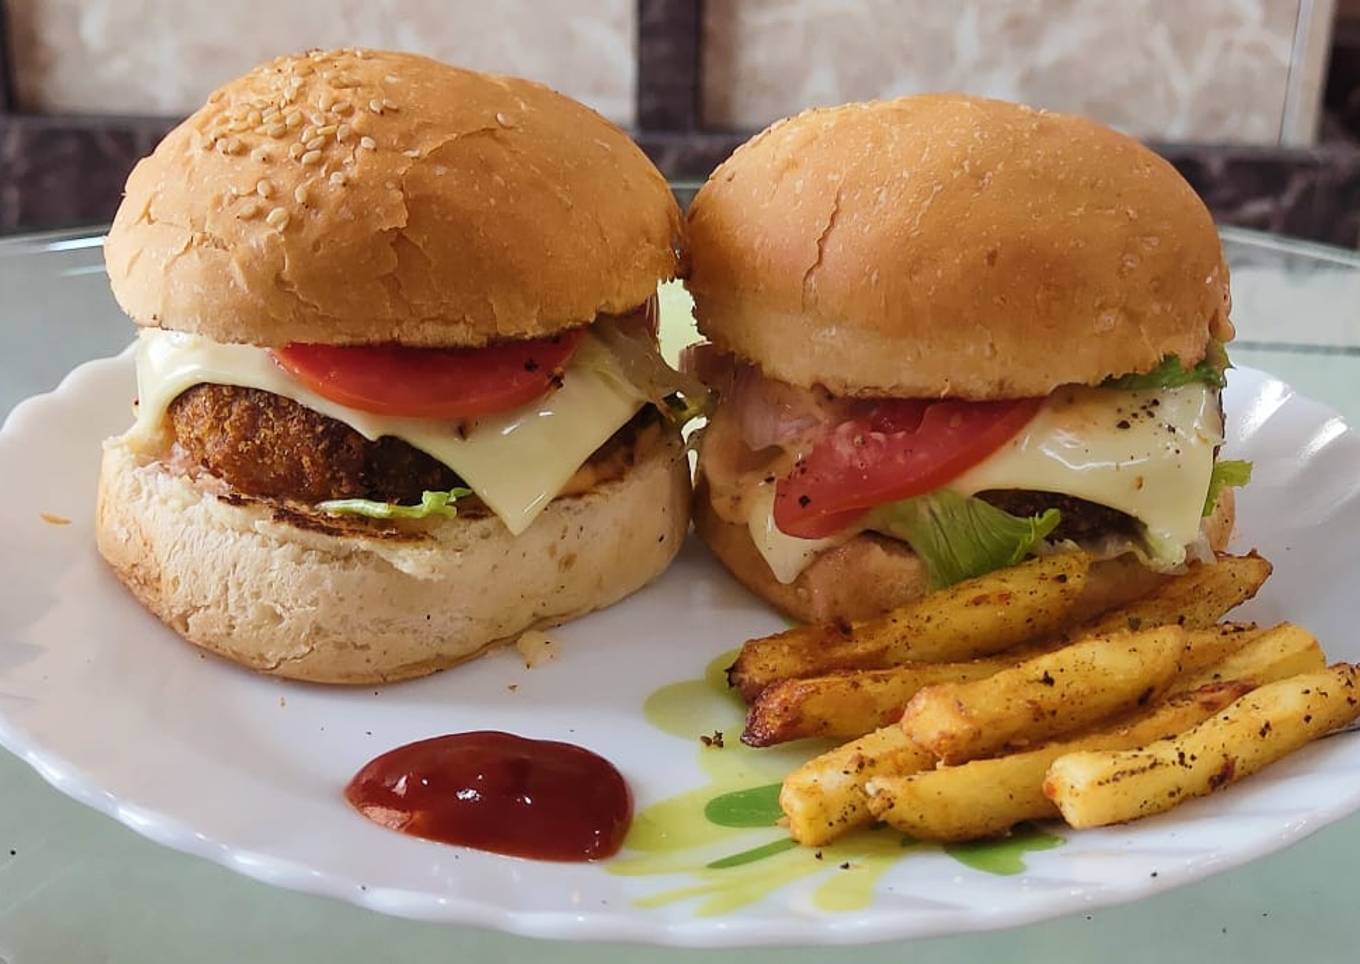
<point>950,245</point>
<point>312,597</point>
<point>872,574</point>
<point>357,196</point>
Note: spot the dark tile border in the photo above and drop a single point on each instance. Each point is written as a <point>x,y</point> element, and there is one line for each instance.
<point>668,70</point>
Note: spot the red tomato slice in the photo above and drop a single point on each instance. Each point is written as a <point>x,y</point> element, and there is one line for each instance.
<point>432,382</point>
<point>894,449</point>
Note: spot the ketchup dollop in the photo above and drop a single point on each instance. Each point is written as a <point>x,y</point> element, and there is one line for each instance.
<point>499,792</point>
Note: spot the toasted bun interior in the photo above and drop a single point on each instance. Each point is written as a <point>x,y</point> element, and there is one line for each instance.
<point>951,245</point>
<point>872,574</point>
<point>345,604</point>
<point>355,196</point>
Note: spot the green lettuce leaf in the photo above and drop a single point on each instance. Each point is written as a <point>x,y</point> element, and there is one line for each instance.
<point>960,537</point>
<point>1234,472</point>
<point>431,504</point>
<point>1172,374</point>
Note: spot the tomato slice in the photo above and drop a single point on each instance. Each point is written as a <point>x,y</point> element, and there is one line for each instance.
<point>432,382</point>
<point>891,449</point>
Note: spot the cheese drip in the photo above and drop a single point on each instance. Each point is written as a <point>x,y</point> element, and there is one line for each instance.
<point>515,461</point>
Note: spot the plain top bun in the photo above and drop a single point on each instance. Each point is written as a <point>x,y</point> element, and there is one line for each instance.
<point>951,245</point>
<point>359,196</point>
<point>305,600</point>
<point>872,574</point>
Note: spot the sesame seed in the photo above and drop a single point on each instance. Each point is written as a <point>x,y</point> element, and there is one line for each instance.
<point>248,210</point>
<point>342,107</point>
<point>278,218</point>
<point>326,130</point>
<point>315,143</point>
<point>338,178</point>
<point>259,156</point>
<point>307,134</point>
<point>276,130</point>
<point>342,132</point>
<point>411,152</point>
<point>254,118</point>
<point>376,106</point>
<point>295,151</point>
<point>368,143</point>
<point>232,145</point>
<point>326,100</point>
<point>264,188</point>
<point>238,127</point>
<point>271,115</point>
<point>310,158</point>
<point>233,190</point>
<point>300,194</point>
<point>294,118</point>
<point>388,105</point>
<point>317,119</point>
<point>344,83</point>
<point>505,120</point>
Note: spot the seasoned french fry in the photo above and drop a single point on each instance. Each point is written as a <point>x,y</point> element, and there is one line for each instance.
<point>988,797</point>
<point>978,617</point>
<point>1273,654</point>
<point>824,798</point>
<point>1055,693</point>
<point>1096,788</point>
<point>1196,599</point>
<point>850,704</point>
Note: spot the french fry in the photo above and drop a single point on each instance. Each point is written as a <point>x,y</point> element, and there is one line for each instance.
<point>851,704</point>
<point>1097,788</point>
<point>988,797</point>
<point>824,798</point>
<point>1196,599</point>
<point>1051,694</point>
<point>978,617</point>
<point>1273,654</point>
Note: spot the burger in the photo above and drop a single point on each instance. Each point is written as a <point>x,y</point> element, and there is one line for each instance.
<point>399,394</point>
<point>948,333</point>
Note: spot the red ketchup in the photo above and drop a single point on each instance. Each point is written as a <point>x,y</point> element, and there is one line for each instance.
<point>498,792</point>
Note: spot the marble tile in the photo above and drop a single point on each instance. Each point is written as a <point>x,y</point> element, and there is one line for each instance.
<point>1211,70</point>
<point>163,56</point>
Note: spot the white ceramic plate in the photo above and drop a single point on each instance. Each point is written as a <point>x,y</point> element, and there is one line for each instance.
<point>114,710</point>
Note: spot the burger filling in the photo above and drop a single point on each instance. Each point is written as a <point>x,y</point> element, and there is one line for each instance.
<point>394,432</point>
<point>1127,466</point>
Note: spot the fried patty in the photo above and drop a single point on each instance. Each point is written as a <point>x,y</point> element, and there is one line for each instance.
<point>1081,520</point>
<point>268,446</point>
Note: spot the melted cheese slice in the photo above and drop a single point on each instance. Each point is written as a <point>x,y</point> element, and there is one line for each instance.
<point>1146,453</point>
<point>786,555</point>
<point>515,461</point>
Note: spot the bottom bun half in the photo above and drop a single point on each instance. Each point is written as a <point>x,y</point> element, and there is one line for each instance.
<point>872,574</point>
<point>334,601</point>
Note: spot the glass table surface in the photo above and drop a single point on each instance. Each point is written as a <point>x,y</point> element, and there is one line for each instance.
<point>77,887</point>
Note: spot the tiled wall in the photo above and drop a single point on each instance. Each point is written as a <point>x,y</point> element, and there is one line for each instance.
<point>164,56</point>
<point>1200,70</point>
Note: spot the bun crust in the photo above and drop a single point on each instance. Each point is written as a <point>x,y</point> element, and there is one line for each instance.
<point>871,574</point>
<point>950,245</point>
<point>365,196</point>
<point>320,603</point>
